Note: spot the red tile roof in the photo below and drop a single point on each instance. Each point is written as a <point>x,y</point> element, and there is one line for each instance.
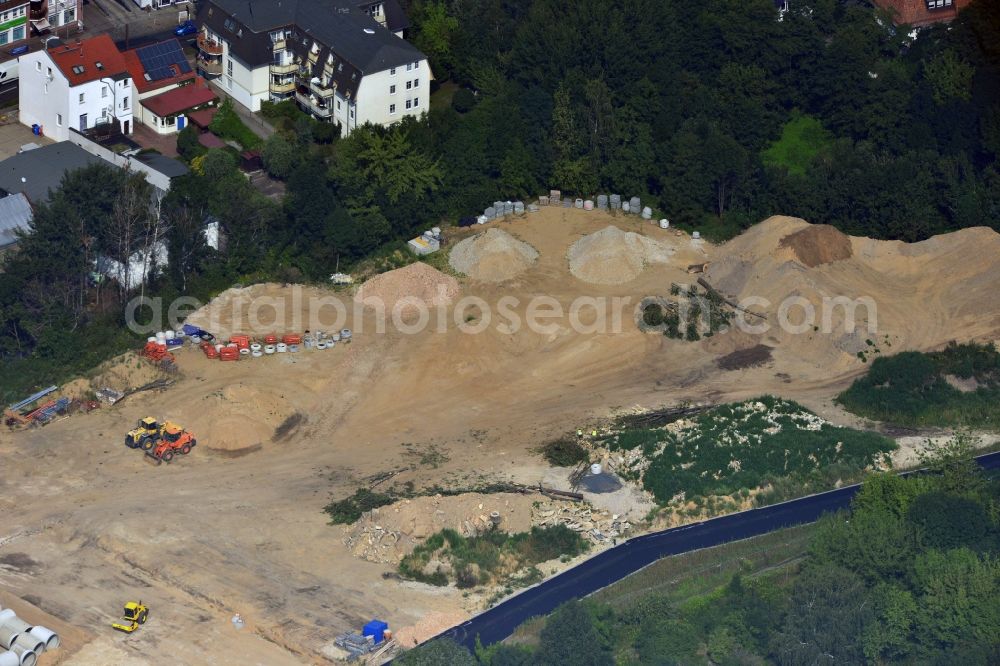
<point>179,99</point>
<point>79,61</point>
<point>138,73</point>
<point>916,12</point>
<point>203,117</point>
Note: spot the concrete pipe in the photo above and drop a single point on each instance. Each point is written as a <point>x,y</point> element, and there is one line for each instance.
<point>7,637</point>
<point>24,657</point>
<point>47,636</point>
<point>6,614</point>
<point>8,658</point>
<point>30,643</point>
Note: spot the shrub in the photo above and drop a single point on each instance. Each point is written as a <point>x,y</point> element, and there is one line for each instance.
<point>652,315</point>
<point>228,125</point>
<point>564,453</point>
<point>349,509</point>
<point>463,100</point>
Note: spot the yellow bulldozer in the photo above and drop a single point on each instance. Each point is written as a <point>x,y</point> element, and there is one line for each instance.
<point>133,615</point>
<point>145,434</point>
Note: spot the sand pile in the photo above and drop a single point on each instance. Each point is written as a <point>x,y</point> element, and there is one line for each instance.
<point>409,288</point>
<point>613,256</point>
<point>493,256</point>
<point>390,532</point>
<point>428,627</point>
<point>818,244</point>
<point>902,295</point>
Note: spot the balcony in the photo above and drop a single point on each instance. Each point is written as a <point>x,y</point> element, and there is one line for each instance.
<point>210,67</point>
<point>279,44</point>
<point>320,90</point>
<point>290,68</point>
<point>282,87</point>
<point>209,46</point>
<point>319,110</point>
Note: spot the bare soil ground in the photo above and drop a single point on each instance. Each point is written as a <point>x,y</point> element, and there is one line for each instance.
<point>237,526</point>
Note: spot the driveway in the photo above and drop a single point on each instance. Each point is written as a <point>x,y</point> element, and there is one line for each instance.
<point>13,135</point>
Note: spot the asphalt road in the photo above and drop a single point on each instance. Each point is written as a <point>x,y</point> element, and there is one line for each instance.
<point>614,564</point>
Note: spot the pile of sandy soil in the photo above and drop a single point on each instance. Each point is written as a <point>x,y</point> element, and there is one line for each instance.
<point>415,284</point>
<point>613,256</point>
<point>428,627</point>
<point>921,294</point>
<point>818,244</point>
<point>493,256</point>
<point>389,533</point>
<point>240,418</point>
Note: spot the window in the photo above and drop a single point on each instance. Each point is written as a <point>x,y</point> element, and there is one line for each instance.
<point>338,105</point>
<point>38,66</point>
<point>125,104</point>
<point>416,65</point>
<point>81,98</point>
<point>3,37</point>
<point>59,119</point>
<point>229,67</point>
<point>409,66</point>
<point>392,109</point>
<point>48,72</point>
<point>416,102</point>
<point>352,113</point>
<point>416,83</point>
<point>392,72</point>
<point>78,69</point>
<point>69,15</point>
<point>409,84</point>
<point>18,33</point>
<point>392,90</point>
<point>104,92</point>
<point>408,104</point>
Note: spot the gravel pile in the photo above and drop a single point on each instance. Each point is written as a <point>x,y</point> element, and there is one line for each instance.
<point>613,256</point>
<point>493,256</point>
<point>412,286</point>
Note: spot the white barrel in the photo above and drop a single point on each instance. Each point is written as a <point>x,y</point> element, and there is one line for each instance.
<point>293,348</point>
<point>436,231</point>
<point>231,344</point>
<point>595,468</point>
<point>624,206</point>
<point>151,338</point>
<point>335,337</point>
<point>320,345</point>
<point>218,347</point>
<point>161,337</point>
<point>169,335</point>
<point>281,347</point>
<point>578,203</point>
<point>588,205</point>
<point>244,352</point>
<point>664,224</point>
<point>696,235</point>
<point>345,334</point>
<point>268,349</point>
<point>255,347</point>
<point>257,354</point>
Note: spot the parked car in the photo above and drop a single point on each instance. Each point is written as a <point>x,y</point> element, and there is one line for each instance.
<point>186,28</point>
<point>19,50</point>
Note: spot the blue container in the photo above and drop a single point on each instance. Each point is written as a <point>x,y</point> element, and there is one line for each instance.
<point>375,629</point>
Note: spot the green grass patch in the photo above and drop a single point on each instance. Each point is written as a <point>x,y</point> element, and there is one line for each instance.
<point>470,561</point>
<point>349,509</point>
<point>802,139</point>
<point>228,125</point>
<point>913,388</point>
<point>745,445</point>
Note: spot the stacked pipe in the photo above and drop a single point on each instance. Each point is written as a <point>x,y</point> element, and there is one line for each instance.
<point>23,642</point>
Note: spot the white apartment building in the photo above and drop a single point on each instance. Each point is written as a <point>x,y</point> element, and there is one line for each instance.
<point>78,85</point>
<point>342,61</point>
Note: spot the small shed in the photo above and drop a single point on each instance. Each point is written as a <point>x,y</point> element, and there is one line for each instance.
<point>376,629</point>
<point>250,161</point>
<point>209,140</point>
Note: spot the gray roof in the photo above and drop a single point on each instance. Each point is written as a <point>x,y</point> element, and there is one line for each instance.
<point>338,24</point>
<point>35,172</point>
<point>168,166</point>
<point>15,213</point>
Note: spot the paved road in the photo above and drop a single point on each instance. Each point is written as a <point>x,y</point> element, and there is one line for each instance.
<point>614,564</point>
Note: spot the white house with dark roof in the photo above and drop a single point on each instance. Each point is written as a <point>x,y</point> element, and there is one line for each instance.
<point>342,61</point>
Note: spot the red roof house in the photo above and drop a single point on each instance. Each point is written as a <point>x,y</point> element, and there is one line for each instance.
<point>89,60</point>
<point>922,12</point>
<point>157,66</point>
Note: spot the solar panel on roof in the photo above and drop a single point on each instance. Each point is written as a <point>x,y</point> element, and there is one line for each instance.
<point>157,60</point>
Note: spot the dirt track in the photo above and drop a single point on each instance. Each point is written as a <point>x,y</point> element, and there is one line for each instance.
<point>238,527</point>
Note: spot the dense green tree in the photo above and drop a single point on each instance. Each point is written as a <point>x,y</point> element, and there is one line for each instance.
<point>440,652</point>
<point>570,637</point>
<point>280,156</point>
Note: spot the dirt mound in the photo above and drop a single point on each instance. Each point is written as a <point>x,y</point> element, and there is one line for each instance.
<point>745,358</point>
<point>613,256</point>
<point>408,288</point>
<point>428,627</point>
<point>818,244</point>
<point>493,256</point>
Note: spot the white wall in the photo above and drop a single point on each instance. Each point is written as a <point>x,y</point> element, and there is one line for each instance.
<point>374,99</point>
<point>56,106</point>
<point>158,180</point>
<point>247,86</point>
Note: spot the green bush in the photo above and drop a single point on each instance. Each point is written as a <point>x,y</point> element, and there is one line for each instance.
<point>349,509</point>
<point>227,124</point>
<point>564,453</point>
<point>652,315</point>
<point>463,100</point>
<point>911,388</point>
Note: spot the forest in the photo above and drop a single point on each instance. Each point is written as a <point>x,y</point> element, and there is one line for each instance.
<point>910,576</point>
<point>718,113</point>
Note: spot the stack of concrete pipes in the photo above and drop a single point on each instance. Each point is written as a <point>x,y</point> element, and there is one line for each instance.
<point>21,643</point>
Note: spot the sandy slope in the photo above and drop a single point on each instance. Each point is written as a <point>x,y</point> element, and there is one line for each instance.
<point>237,526</point>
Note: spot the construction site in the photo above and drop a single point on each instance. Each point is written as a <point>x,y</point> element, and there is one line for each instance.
<point>225,550</point>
